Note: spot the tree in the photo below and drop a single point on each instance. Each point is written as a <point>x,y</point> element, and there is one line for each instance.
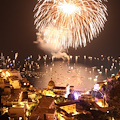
<point>60,99</point>
<point>99,115</point>
<point>114,100</point>
<point>1,91</point>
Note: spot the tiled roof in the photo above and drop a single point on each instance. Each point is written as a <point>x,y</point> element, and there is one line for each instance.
<point>45,102</point>
<point>66,103</point>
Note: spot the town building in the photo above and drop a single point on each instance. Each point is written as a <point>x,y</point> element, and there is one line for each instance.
<point>45,110</point>
<point>66,110</point>
<point>17,113</point>
<point>54,90</point>
<point>5,86</point>
<point>14,81</point>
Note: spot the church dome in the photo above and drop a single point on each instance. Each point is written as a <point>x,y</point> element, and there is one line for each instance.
<point>51,83</point>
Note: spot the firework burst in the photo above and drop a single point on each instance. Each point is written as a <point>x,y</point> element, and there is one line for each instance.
<point>69,23</point>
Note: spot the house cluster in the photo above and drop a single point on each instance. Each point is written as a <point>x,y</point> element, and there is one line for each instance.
<point>21,101</point>
<point>16,94</point>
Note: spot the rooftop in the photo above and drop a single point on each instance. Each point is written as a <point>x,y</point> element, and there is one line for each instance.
<point>14,96</point>
<point>58,87</point>
<point>66,103</point>
<point>51,83</point>
<point>40,113</point>
<point>13,77</point>
<point>44,102</point>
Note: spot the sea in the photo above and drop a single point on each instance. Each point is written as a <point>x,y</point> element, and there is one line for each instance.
<point>82,72</point>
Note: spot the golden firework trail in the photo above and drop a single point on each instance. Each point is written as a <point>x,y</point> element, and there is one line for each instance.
<point>69,23</point>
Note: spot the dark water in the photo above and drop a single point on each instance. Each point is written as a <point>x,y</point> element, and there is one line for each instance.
<point>80,72</point>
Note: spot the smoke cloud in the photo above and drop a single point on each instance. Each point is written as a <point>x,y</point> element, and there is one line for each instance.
<point>50,49</point>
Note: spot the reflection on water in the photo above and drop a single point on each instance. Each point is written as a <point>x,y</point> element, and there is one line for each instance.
<point>81,73</point>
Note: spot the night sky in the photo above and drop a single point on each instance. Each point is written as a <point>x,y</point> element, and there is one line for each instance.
<point>17,30</point>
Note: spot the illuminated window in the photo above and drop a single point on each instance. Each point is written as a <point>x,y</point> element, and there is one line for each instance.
<point>20,118</point>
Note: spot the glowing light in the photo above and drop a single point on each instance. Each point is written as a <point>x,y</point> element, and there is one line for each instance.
<point>75,113</point>
<point>100,104</point>
<point>22,103</point>
<point>76,96</point>
<point>96,87</point>
<point>85,57</point>
<point>20,118</point>
<point>70,23</point>
<point>68,8</point>
<point>95,79</point>
<point>5,74</point>
<point>67,91</point>
<point>25,84</point>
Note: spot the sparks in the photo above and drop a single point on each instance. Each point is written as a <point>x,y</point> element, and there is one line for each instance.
<point>70,23</point>
<point>68,8</point>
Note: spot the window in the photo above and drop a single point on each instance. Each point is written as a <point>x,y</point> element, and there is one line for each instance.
<point>20,118</point>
